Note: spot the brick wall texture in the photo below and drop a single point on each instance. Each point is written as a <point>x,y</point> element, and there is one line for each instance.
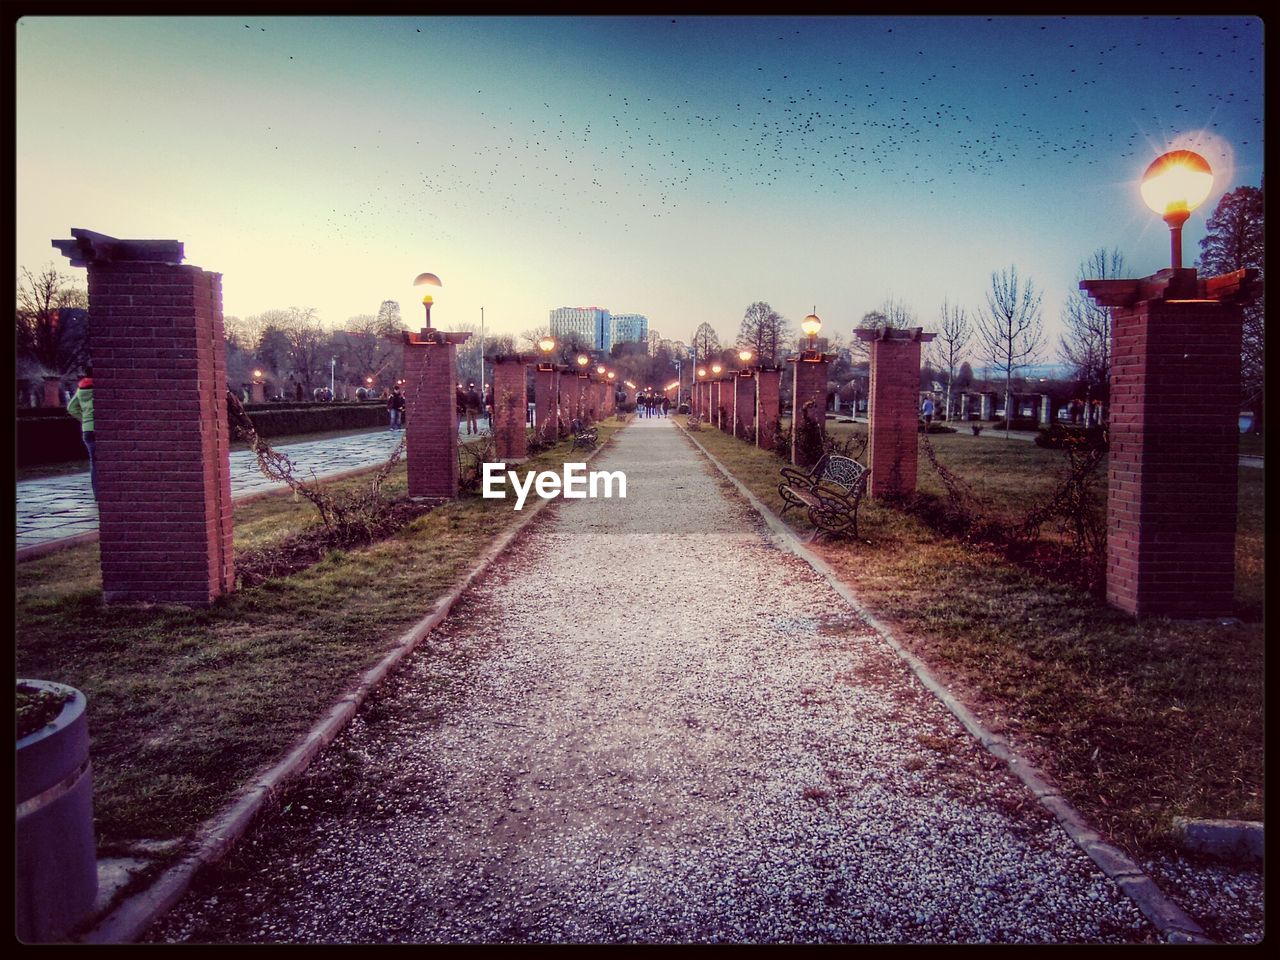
<point>809,382</point>
<point>744,406</point>
<point>431,421</point>
<point>546,395</point>
<point>893,438</point>
<point>509,410</point>
<point>160,424</point>
<point>768,386</point>
<point>1173,469</point>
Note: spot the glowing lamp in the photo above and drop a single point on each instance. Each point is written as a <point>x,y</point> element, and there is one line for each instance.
<point>431,280</point>
<point>583,360</point>
<point>600,369</point>
<point>546,344</point>
<point>612,374</point>
<point>811,325</point>
<point>744,356</point>
<point>369,381</point>
<point>1175,184</point>
<point>257,374</point>
<point>702,371</point>
<point>716,368</point>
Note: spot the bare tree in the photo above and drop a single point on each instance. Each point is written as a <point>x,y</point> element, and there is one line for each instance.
<point>1234,241</point>
<point>892,313</point>
<point>42,335</point>
<point>706,343</point>
<point>949,345</point>
<point>1010,333</point>
<point>529,338</point>
<point>1085,344</point>
<point>764,330</point>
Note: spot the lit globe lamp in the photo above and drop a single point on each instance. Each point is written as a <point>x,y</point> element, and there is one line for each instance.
<point>427,279</point>
<point>1175,184</point>
<point>810,325</point>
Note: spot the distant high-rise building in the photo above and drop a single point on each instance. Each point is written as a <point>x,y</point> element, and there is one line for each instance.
<point>589,324</point>
<point>631,328</point>
<point>596,326</point>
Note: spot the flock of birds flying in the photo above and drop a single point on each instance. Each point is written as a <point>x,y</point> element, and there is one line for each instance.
<point>917,121</point>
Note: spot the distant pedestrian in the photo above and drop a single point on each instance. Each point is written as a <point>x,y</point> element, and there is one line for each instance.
<point>81,407</point>
<point>488,406</point>
<point>666,404</point>
<point>395,408</point>
<point>927,410</point>
<point>473,409</point>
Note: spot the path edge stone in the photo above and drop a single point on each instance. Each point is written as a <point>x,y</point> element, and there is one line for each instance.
<point>214,839</point>
<point>1174,924</point>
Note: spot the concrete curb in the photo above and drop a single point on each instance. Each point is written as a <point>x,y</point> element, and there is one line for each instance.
<point>91,536</point>
<point>130,918</point>
<point>1174,924</point>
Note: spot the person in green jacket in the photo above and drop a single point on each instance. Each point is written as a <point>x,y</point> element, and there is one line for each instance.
<point>81,407</point>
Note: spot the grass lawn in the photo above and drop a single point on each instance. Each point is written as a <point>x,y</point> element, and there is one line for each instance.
<point>1138,722</point>
<point>186,704</point>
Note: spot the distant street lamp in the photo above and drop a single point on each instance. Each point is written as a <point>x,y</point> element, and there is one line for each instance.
<point>583,360</point>
<point>745,356</point>
<point>716,368</point>
<point>811,325</point>
<point>546,345</point>
<point>1175,184</point>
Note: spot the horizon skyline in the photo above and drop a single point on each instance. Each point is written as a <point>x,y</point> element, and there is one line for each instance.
<point>694,164</point>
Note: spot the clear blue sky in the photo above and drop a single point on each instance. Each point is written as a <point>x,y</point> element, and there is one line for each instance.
<point>679,167</point>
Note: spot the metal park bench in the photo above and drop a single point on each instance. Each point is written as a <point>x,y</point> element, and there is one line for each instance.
<point>831,493</point>
<point>583,437</point>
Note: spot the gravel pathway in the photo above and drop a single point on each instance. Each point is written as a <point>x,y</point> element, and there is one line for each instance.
<point>648,723</point>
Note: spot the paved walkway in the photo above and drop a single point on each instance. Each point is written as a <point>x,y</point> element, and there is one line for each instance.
<point>648,722</point>
<point>58,507</point>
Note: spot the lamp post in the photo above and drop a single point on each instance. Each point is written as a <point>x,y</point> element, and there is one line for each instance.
<point>427,279</point>
<point>1175,184</point>
<point>811,325</point>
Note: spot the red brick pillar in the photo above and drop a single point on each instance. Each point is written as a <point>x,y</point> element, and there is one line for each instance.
<point>893,409</point>
<point>987,406</point>
<point>52,392</point>
<point>510,405</point>
<point>768,385</point>
<point>714,402</point>
<point>431,413</point>
<point>744,404</point>
<point>160,421</point>
<point>581,407</point>
<point>257,393</point>
<point>808,382</point>
<point>546,395</point>
<point>1174,436</point>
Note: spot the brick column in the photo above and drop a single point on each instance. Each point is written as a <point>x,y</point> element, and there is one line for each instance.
<point>1173,469</point>
<point>510,405</point>
<point>744,404</point>
<point>808,382</point>
<point>546,396</point>
<point>257,393</point>
<point>1046,410</point>
<point>52,392</point>
<point>893,409</point>
<point>964,406</point>
<point>987,406</point>
<point>768,386</point>
<point>431,412</point>
<point>160,421</point>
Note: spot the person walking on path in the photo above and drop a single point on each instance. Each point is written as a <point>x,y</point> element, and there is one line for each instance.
<point>395,407</point>
<point>666,405</point>
<point>927,410</point>
<point>473,409</point>
<point>81,407</point>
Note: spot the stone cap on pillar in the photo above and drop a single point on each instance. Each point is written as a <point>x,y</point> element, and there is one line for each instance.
<point>510,358</point>
<point>895,333</point>
<point>87,247</point>
<point>1172,285</point>
<point>431,336</point>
